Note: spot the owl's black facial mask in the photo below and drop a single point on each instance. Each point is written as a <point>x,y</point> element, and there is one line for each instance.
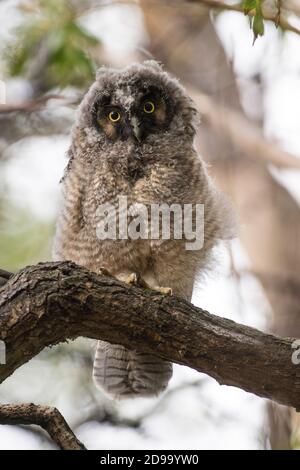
<point>151,114</point>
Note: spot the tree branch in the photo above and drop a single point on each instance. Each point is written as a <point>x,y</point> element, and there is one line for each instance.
<point>36,117</point>
<point>219,5</point>
<point>37,104</point>
<point>268,15</point>
<point>45,304</point>
<point>47,417</point>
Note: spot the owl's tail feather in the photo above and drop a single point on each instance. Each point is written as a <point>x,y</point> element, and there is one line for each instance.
<point>121,373</point>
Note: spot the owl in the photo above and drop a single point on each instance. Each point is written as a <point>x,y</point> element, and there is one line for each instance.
<point>134,136</point>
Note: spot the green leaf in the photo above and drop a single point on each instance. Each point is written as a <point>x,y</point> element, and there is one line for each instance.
<point>258,22</point>
<point>253,8</point>
<point>258,25</point>
<point>55,45</point>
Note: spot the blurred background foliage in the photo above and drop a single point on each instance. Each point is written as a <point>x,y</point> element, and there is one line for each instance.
<point>54,47</point>
<point>24,240</point>
<point>51,47</point>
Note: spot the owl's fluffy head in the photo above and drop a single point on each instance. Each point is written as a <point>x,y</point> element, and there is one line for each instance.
<point>137,104</point>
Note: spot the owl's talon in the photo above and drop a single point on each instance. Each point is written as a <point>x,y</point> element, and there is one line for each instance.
<point>104,272</point>
<point>163,290</point>
<point>132,279</point>
<point>135,279</point>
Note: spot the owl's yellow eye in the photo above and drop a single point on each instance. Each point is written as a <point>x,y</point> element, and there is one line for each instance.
<point>149,107</point>
<point>114,116</point>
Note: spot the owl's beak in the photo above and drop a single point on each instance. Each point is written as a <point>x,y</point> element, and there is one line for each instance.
<point>136,128</point>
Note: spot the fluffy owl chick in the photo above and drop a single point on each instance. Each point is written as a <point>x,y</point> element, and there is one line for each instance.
<point>134,137</point>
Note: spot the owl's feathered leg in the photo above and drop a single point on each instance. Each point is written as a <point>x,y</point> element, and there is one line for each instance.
<point>122,373</point>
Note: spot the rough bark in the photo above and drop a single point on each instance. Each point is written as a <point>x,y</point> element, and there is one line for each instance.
<point>45,304</point>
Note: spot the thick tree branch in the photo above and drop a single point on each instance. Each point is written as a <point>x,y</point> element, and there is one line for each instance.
<point>45,304</point>
<point>47,417</point>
